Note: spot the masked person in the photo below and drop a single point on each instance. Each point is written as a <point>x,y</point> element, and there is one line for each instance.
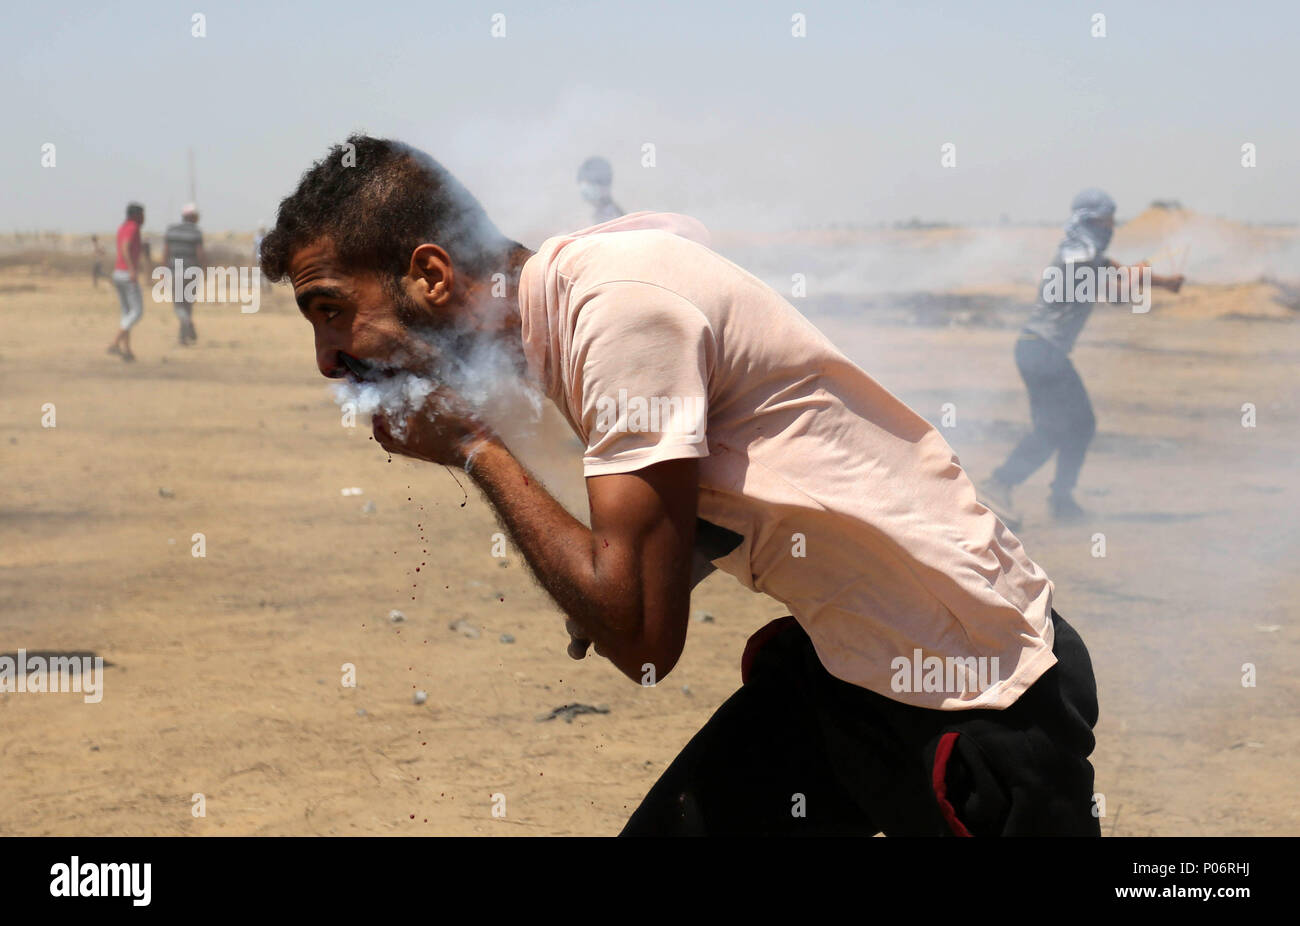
<point>1063,421</point>
<point>594,179</point>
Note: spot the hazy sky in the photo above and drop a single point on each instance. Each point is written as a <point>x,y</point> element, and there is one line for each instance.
<point>751,126</point>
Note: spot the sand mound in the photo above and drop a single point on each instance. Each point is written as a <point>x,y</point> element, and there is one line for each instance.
<point>1259,300</point>
<point>1158,224</point>
<point>1208,248</point>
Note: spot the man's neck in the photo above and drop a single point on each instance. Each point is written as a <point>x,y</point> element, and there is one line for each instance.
<point>503,321</point>
<point>515,264</point>
<point>515,261</point>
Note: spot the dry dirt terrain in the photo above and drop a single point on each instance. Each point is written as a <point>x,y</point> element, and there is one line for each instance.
<point>225,675</point>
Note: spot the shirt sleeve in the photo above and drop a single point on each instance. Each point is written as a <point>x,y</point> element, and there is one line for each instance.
<point>642,357</point>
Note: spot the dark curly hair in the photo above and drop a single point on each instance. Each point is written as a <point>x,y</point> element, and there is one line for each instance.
<point>377,200</point>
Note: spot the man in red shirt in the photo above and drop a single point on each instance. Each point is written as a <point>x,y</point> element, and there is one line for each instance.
<point>126,277</point>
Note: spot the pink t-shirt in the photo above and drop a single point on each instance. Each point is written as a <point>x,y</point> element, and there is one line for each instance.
<point>855,512</point>
<point>128,245</point>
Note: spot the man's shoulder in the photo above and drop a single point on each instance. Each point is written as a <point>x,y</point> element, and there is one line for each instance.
<point>630,255</point>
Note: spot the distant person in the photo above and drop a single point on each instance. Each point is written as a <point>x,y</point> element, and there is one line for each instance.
<point>98,270</point>
<point>595,177</point>
<point>126,278</point>
<point>184,242</point>
<point>1063,422</point>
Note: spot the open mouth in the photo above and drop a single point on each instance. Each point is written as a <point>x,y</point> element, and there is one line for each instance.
<point>359,370</point>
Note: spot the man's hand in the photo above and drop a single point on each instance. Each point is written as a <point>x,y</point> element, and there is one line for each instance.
<point>443,430</point>
<point>1172,283</point>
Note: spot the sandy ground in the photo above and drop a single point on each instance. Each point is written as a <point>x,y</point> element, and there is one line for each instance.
<point>225,675</point>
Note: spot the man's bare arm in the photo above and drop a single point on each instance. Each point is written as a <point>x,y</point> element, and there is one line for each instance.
<point>626,581</point>
<point>1172,283</point>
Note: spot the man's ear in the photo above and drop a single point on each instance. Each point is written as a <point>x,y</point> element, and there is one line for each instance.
<point>432,272</point>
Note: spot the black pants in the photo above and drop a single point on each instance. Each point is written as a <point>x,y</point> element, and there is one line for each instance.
<point>1061,413</point>
<point>797,751</point>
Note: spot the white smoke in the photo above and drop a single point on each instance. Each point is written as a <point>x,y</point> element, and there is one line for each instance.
<point>473,367</point>
<point>396,396</point>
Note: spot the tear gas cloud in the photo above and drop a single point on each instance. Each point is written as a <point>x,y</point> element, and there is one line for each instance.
<point>483,374</point>
<point>474,367</point>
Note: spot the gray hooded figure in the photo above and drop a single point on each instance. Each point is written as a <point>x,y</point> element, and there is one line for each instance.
<point>595,177</point>
<point>1063,421</point>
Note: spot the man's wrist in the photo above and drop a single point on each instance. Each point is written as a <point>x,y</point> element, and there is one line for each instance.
<point>475,450</point>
